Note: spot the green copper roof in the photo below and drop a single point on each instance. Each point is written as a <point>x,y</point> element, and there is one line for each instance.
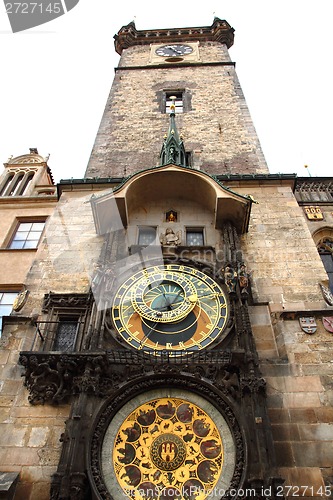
<point>173,150</point>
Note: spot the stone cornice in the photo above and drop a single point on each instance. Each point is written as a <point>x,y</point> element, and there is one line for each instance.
<point>128,36</point>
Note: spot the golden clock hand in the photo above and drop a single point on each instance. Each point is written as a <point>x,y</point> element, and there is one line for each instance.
<point>146,337</point>
<point>209,295</point>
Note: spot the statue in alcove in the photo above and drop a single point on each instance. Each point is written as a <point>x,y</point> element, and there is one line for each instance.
<point>170,238</point>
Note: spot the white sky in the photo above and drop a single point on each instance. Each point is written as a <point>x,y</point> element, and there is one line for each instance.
<point>55,79</point>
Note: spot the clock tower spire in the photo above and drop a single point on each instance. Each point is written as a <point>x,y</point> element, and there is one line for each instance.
<point>173,150</point>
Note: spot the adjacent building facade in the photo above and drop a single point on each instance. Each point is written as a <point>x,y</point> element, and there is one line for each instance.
<point>175,334</point>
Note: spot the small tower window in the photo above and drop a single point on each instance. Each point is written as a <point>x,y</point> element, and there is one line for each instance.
<point>178,101</point>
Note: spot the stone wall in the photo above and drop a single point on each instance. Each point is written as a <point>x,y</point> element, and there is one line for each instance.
<point>298,367</point>
<point>29,435</point>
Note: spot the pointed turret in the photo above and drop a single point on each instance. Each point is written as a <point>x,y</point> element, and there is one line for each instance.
<point>173,150</point>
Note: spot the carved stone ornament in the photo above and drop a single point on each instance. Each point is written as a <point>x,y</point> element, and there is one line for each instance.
<point>328,323</point>
<point>327,294</point>
<point>20,300</point>
<point>170,238</point>
<point>314,213</point>
<point>54,378</point>
<point>65,300</point>
<point>308,325</point>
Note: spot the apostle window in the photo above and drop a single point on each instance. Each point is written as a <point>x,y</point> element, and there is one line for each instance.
<point>147,235</point>
<point>27,235</point>
<point>194,236</point>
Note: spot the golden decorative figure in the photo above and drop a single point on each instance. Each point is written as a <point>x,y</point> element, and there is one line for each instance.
<point>148,450</point>
<point>171,216</point>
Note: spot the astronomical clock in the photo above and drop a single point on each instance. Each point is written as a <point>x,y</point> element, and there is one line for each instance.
<point>171,307</point>
<point>168,441</point>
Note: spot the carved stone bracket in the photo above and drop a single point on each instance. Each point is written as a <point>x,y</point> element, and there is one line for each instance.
<point>53,378</point>
<point>61,300</point>
<point>252,384</point>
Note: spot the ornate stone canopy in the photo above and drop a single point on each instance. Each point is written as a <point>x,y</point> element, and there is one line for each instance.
<point>112,210</point>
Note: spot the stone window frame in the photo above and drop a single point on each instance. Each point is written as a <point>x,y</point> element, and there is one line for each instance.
<point>60,309</point>
<point>325,251</point>
<point>184,96</point>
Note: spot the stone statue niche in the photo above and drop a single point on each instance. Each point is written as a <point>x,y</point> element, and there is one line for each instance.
<point>171,238</point>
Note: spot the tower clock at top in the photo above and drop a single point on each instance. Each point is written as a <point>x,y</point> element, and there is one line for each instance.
<point>193,66</point>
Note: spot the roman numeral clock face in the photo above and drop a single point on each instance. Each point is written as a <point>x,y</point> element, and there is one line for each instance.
<point>174,50</point>
<point>170,307</point>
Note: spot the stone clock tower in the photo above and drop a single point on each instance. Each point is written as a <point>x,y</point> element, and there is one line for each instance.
<point>171,294</point>
<point>192,64</point>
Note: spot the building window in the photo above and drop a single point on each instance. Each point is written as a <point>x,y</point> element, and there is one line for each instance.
<point>147,235</point>
<point>66,333</point>
<point>6,184</point>
<point>325,250</point>
<point>27,235</point>
<point>26,183</point>
<point>194,237</point>
<point>6,304</point>
<point>179,101</point>
<point>15,185</point>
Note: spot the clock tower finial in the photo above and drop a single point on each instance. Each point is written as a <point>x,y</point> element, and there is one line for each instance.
<point>173,150</point>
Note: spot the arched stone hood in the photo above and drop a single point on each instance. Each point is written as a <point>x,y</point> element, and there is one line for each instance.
<point>170,181</point>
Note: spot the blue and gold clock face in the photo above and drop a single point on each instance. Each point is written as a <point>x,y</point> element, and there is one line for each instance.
<point>170,307</point>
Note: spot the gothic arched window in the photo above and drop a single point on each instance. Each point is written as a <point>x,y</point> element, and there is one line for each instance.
<point>325,249</point>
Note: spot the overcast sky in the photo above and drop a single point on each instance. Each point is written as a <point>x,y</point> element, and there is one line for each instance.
<point>55,79</point>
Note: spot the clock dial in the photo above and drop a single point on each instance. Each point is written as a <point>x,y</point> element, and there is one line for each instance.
<point>168,445</point>
<point>170,307</point>
<point>175,50</point>
<point>166,296</point>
